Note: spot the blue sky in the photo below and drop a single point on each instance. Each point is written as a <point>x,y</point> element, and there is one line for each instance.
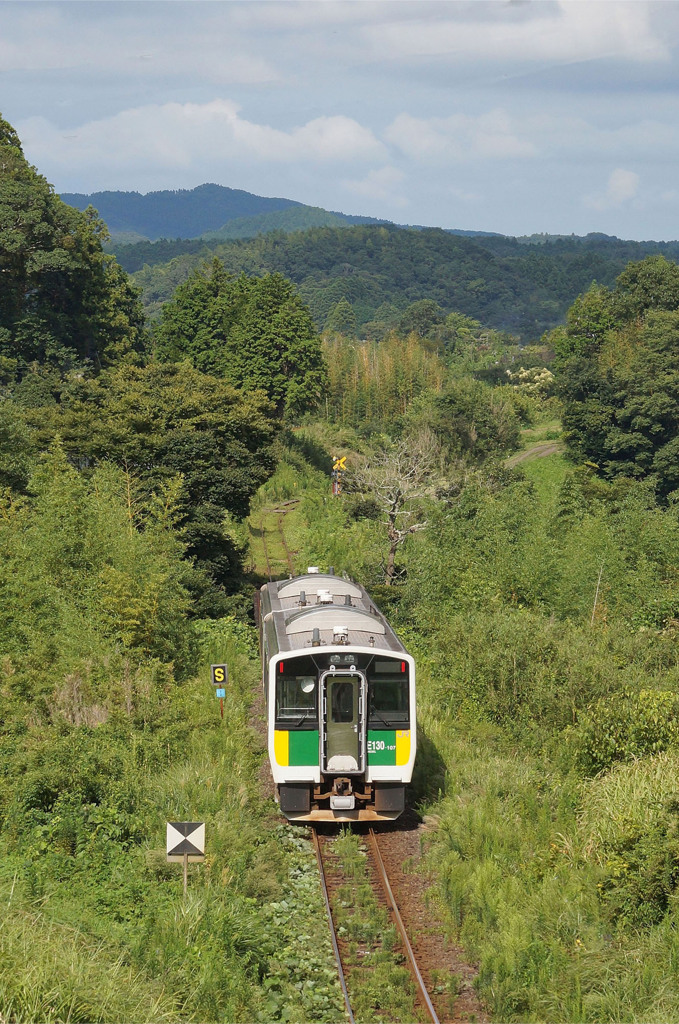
<point>512,116</point>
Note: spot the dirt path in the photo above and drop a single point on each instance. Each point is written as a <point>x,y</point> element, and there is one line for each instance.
<point>538,451</point>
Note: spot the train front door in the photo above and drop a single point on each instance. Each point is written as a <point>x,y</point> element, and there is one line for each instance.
<point>343,722</point>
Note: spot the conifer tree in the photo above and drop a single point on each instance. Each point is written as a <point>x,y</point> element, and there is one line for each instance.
<point>256,333</point>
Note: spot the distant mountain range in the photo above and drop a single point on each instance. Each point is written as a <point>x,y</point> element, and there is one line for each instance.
<point>523,285</point>
<point>211,211</point>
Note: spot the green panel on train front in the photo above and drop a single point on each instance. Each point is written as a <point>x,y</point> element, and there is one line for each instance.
<point>303,746</point>
<point>381,746</point>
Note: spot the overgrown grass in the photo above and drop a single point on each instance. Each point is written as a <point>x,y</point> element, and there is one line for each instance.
<point>547,427</point>
<point>559,892</point>
<point>547,475</point>
<point>114,938</point>
<point>542,613</point>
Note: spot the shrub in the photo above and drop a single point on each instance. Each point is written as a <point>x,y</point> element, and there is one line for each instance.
<point>623,726</point>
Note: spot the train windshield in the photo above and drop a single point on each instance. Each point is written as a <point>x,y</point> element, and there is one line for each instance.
<point>297,694</point>
<point>388,694</point>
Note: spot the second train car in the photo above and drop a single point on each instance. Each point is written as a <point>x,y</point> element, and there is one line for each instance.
<point>340,696</point>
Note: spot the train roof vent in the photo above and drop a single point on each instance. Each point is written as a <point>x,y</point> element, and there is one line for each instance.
<point>340,634</point>
<point>312,570</point>
<point>324,597</point>
<point>319,617</point>
<point>334,584</point>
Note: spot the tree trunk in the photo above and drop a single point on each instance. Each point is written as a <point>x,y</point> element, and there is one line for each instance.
<point>394,541</point>
<point>391,558</point>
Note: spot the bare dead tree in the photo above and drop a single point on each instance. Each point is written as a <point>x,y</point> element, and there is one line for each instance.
<point>399,479</point>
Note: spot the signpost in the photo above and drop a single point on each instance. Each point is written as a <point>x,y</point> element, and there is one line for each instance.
<point>185,843</point>
<point>220,674</point>
<point>220,677</point>
<point>339,465</point>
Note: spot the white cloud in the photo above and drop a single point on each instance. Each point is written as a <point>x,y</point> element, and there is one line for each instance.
<point>300,15</point>
<point>464,195</point>
<point>135,41</point>
<point>458,138</point>
<point>570,30</point>
<point>621,188</point>
<point>500,136</point>
<point>188,135</point>
<point>382,184</point>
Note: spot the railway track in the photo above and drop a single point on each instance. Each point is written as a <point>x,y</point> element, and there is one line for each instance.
<point>387,899</point>
<point>280,511</point>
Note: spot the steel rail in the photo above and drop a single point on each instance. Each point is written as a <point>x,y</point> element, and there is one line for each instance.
<point>333,934</point>
<point>291,567</point>
<point>412,963</point>
<point>266,550</point>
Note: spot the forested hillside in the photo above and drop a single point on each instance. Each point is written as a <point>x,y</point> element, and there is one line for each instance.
<point>124,482</point>
<point>521,287</point>
<point>210,210</point>
<point>184,213</point>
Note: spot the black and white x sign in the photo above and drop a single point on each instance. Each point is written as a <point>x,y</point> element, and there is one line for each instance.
<point>185,837</point>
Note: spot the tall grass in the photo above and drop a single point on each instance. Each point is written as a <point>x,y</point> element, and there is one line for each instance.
<point>85,881</point>
<point>561,886</point>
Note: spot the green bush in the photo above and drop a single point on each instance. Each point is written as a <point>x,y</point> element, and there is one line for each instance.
<point>624,726</point>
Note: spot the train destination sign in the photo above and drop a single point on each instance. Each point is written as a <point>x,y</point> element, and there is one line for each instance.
<point>185,841</point>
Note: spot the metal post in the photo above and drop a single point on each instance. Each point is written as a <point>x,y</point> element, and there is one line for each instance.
<point>186,871</point>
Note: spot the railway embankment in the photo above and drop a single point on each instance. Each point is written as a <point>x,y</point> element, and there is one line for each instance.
<point>94,923</point>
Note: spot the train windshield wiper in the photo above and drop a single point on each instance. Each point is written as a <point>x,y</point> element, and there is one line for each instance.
<point>375,714</point>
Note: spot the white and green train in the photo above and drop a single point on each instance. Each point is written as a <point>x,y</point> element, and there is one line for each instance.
<point>340,697</point>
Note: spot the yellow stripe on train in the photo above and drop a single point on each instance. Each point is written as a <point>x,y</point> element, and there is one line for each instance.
<point>402,746</point>
<point>281,747</point>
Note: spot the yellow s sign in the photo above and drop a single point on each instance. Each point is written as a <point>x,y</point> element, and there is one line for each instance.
<point>220,675</point>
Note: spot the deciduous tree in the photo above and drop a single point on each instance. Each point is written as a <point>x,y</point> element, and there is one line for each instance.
<point>165,421</point>
<point>400,479</point>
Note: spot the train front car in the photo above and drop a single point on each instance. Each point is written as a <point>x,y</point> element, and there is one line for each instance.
<point>340,690</point>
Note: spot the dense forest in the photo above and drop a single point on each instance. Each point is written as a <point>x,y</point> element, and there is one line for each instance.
<point>524,287</point>
<point>539,593</point>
